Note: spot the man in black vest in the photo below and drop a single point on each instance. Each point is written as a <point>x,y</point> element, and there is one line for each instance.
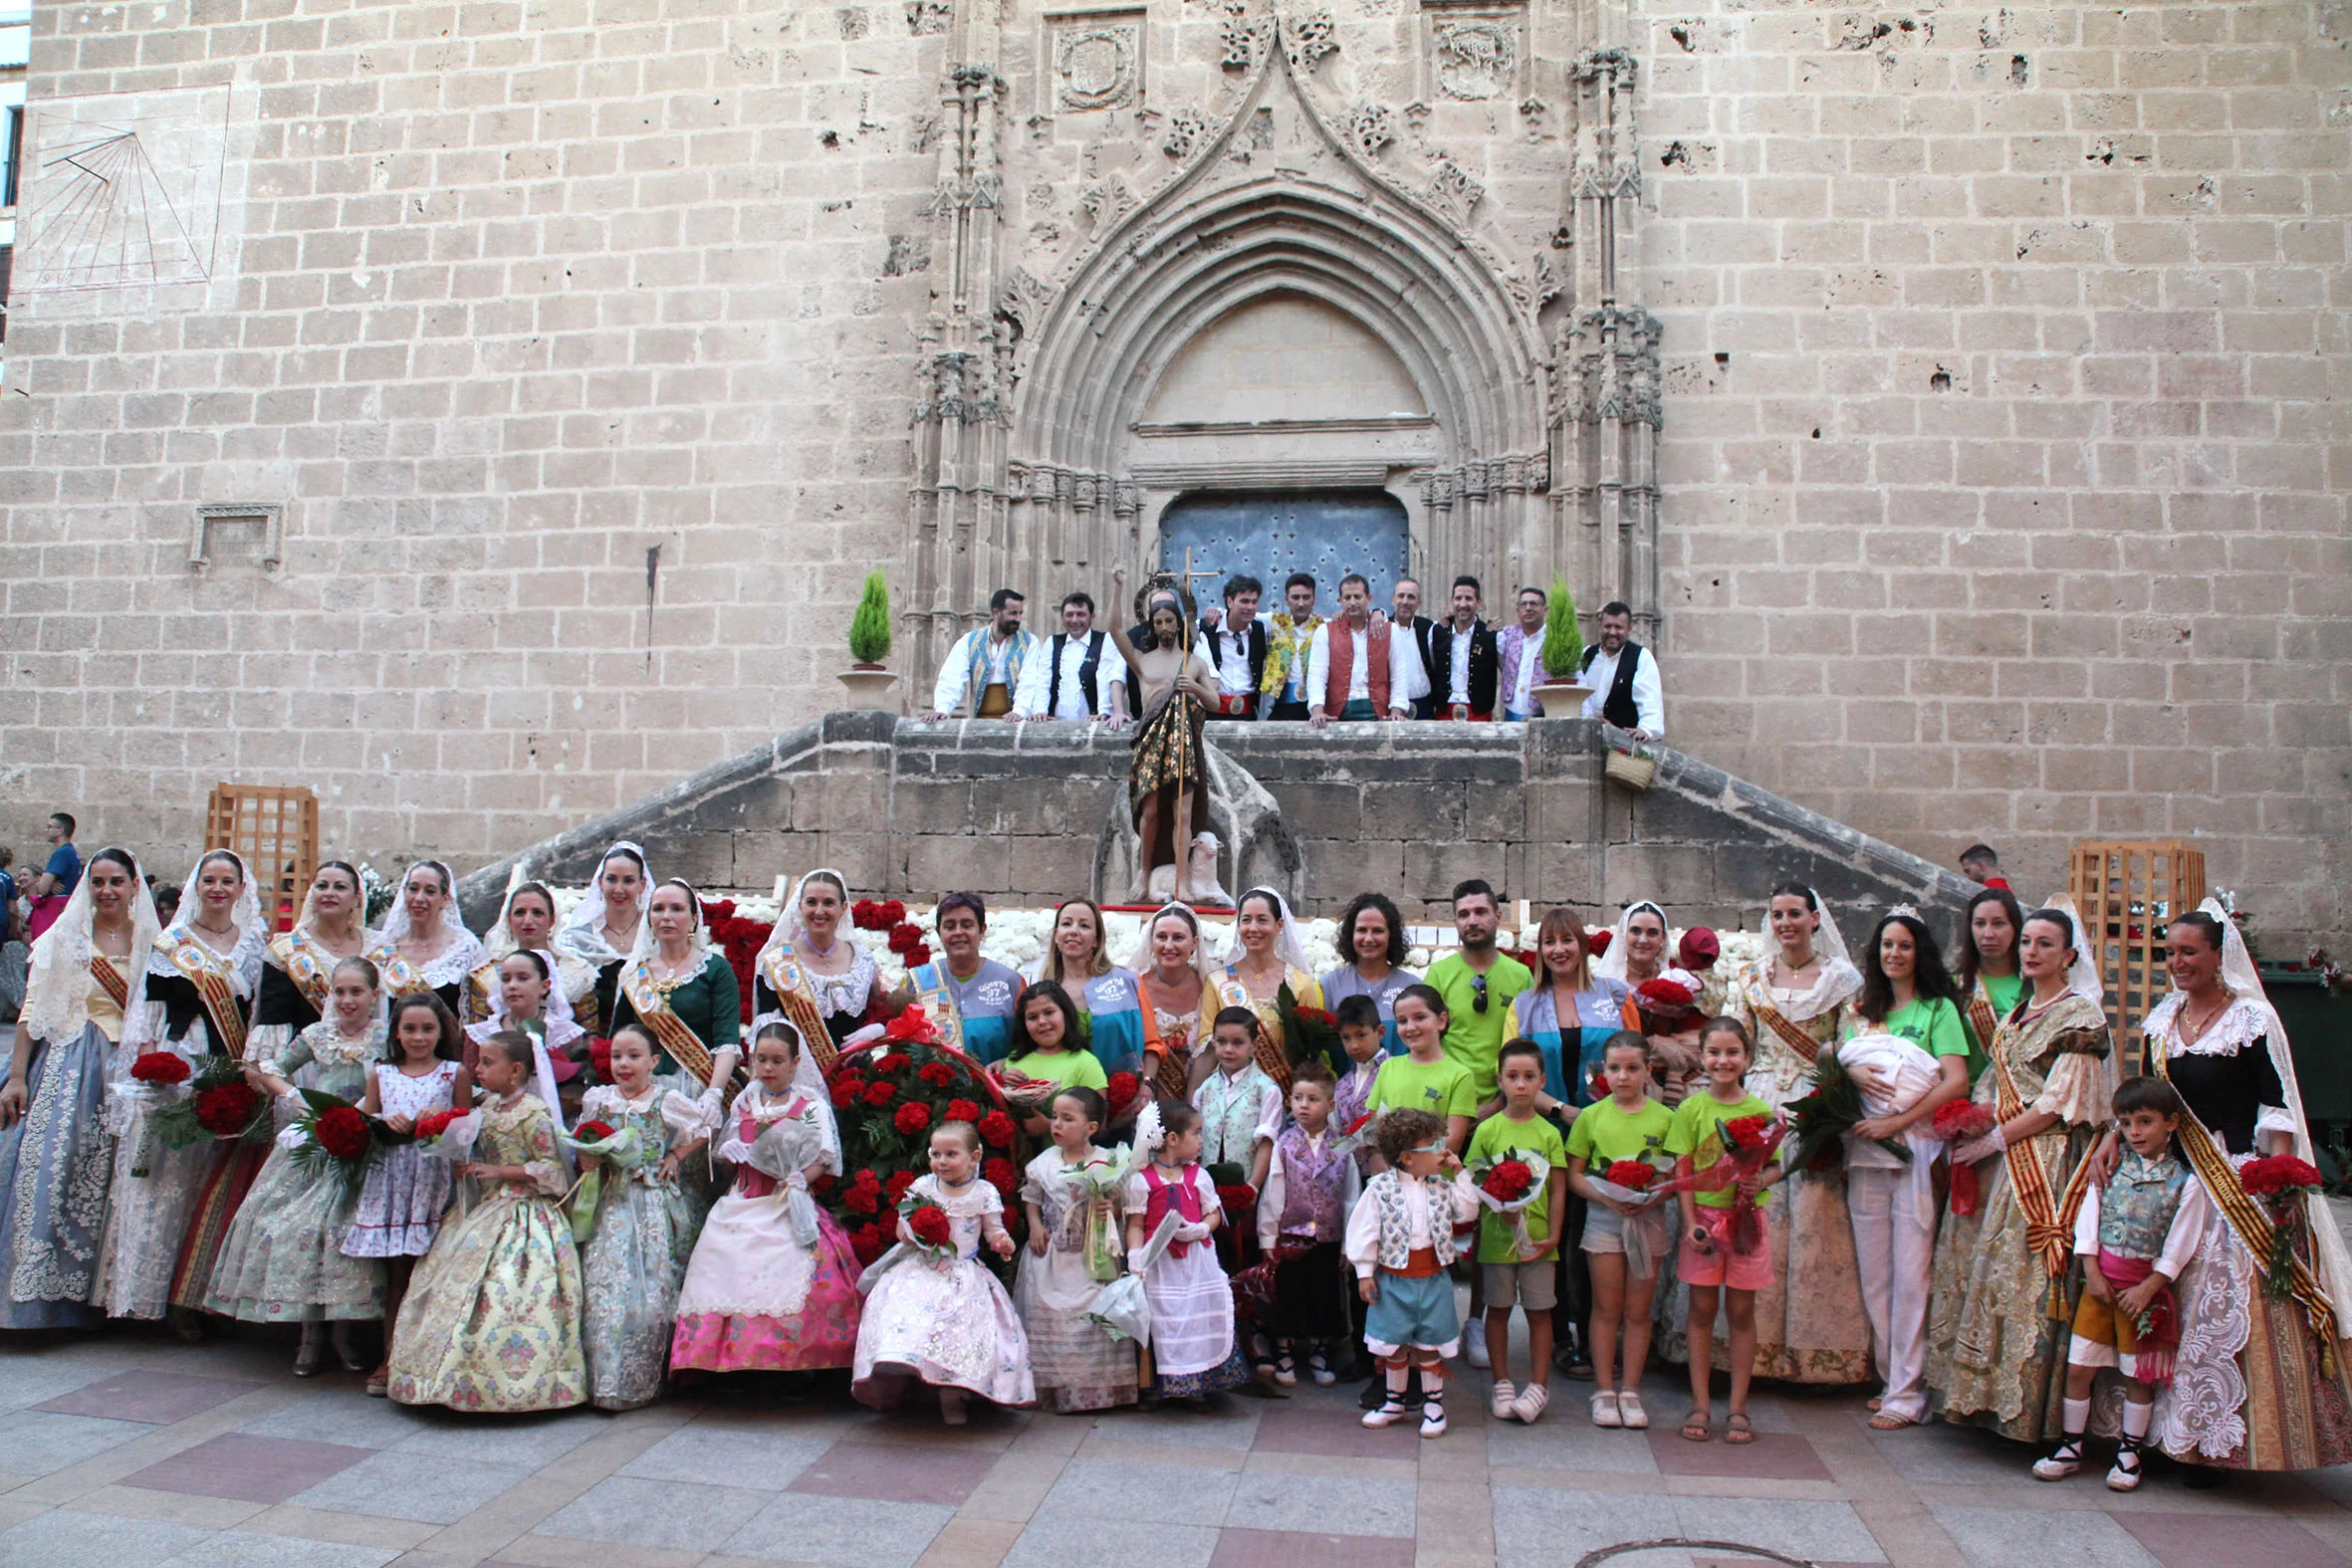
<point>1463,665</point>
<point>1409,619</point>
<point>1077,676</point>
<point>1236,649</point>
<point>1624,678</point>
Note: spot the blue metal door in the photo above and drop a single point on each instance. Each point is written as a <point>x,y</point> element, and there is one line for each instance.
<point>1327,533</point>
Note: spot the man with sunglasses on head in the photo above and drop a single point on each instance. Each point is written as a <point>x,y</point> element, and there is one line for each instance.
<point>1479,985</point>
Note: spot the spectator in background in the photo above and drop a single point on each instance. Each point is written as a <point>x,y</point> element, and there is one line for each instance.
<point>1979,863</point>
<point>1407,617</point>
<point>1623,676</point>
<point>14,954</point>
<point>1520,651</point>
<point>1236,648</point>
<point>58,879</point>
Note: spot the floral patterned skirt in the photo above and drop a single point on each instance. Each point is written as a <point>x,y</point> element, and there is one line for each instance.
<point>56,1167</point>
<point>283,1261</point>
<point>1168,754</point>
<point>491,1321</point>
<point>951,1325</point>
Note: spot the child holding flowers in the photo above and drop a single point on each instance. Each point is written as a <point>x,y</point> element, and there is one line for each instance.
<point>1300,1215</point>
<point>400,1202</point>
<point>934,1313</point>
<point>2135,1235</point>
<point>773,1284</point>
<point>636,1218</point>
<point>1619,1140</point>
<point>1076,1247</point>
<point>1726,1137</point>
<point>492,1321</point>
<point>283,1261</point>
<point>1400,1238</point>
<point>1519,1238</point>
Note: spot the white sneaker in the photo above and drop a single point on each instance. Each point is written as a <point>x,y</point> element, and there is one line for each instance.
<point>1387,1415</point>
<point>1504,1395</point>
<point>1474,1350</point>
<point>1630,1412</point>
<point>1604,1409</point>
<point>1433,1418</point>
<point>1533,1401</point>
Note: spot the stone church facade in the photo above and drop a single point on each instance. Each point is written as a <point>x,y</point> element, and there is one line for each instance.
<point>486,413</point>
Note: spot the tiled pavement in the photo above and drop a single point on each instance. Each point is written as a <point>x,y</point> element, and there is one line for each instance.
<point>124,1449</point>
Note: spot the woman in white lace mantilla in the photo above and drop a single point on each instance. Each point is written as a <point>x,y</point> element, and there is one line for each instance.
<point>812,974</point>
<point>56,1161</point>
<point>424,946</point>
<point>526,922</point>
<point>201,975</point>
<point>2250,1387</point>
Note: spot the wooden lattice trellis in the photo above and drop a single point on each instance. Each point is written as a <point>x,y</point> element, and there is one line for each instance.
<point>2126,892</point>
<point>275,830</point>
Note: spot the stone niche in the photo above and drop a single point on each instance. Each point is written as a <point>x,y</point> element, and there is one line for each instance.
<point>1027,814</point>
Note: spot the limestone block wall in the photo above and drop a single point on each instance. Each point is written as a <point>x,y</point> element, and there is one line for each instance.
<point>1016,812</point>
<point>2004,423</point>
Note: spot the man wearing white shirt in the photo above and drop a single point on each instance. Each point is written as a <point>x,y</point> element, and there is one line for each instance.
<point>1463,664</point>
<point>1407,618</point>
<point>1623,676</point>
<point>984,664</point>
<point>1360,670</point>
<point>1236,649</point>
<point>1521,649</point>
<point>1076,675</point>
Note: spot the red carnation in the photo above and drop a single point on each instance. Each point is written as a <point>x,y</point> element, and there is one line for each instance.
<point>1634,1173</point>
<point>1665,993</point>
<point>822,1184</point>
<point>915,956</point>
<point>845,1092</point>
<point>432,1124</point>
<point>962,1111</point>
<point>905,935</point>
<point>1238,1198</point>
<point>891,911</point>
<point>1597,942</point>
<point>1748,1133</point>
<point>996,1130</point>
<point>930,1227</point>
<point>868,1241</point>
<point>1509,1182</point>
<point>1598,1089</point>
<point>341,1131</point>
<point>591,1132</point>
<point>600,1057</point>
<point>894,1062</point>
<point>1315,1016</point>
<point>1000,1173</point>
<point>899,1182</point>
<point>881,1093</point>
<point>866,915</point>
<point>226,1111</point>
<point>912,1118</point>
<point>2279,1174</point>
<point>1959,1119</point>
<point>936,1073</point>
<point>1121,1091</point>
<point>862,1199</point>
<point>161,1066</point>
<point>715,910</point>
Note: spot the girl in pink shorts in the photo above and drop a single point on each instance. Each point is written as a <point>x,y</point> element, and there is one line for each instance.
<point>1709,1262</point>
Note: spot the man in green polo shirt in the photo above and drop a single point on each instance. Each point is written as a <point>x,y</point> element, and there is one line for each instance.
<point>1479,985</point>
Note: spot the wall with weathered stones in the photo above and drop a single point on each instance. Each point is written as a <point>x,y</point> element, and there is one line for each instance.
<point>1018,813</point>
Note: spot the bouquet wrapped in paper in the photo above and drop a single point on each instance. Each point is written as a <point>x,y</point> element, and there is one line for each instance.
<point>334,1141</point>
<point>1820,1121</point>
<point>1958,1122</point>
<point>2279,1183</point>
<point>1748,1143</point>
<point>1120,1309</point>
<point>1637,1183</point>
<point>1508,1187</point>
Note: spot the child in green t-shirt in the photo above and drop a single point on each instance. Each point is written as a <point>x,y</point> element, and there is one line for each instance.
<point>1513,1274</point>
<point>1629,1125</point>
<point>1709,1262</point>
<point>1425,1078</point>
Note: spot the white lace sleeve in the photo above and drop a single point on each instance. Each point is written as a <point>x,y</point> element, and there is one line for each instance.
<point>822,1112</point>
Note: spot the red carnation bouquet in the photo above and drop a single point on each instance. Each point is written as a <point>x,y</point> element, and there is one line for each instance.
<point>218,1103</point>
<point>1634,1175</point>
<point>1667,1007</point>
<point>592,1131</point>
<point>1121,1093</point>
<point>161,1068</point>
<point>1748,1143</point>
<point>2278,1184</point>
<point>1635,1182</point>
<point>335,1141</point>
<point>432,1124</point>
<point>928,1223</point>
<point>1506,1187</point>
<point>1956,1122</point>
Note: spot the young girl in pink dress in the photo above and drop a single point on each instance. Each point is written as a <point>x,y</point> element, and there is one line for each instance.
<point>773,1286</point>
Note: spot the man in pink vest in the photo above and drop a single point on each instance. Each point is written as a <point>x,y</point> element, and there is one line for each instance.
<point>1358,668</point>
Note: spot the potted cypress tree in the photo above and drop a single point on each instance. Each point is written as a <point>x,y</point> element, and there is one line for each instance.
<point>867,678</point>
<point>1560,694</point>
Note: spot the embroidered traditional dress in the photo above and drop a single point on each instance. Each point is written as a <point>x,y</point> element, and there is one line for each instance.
<point>1297,990</point>
<point>283,1260</point>
<point>692,1017</point>
<point>643,1233</point>
<point>1077,1364</point>
<point>164,1230</point>
<point>1998,1319</point>
<point>2250,1389</point>
<point>574,979</point>
<point>950,1324</point>
<point>1811,1324</point>
<point>294,974</point>
<point>57,1163</point>
<point>1194,1349</point>
<point>491,1321</point>
<point>825,1009</point>
<point>773,1286</point>
<point>444,975</point>
<point>408,1185</point>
